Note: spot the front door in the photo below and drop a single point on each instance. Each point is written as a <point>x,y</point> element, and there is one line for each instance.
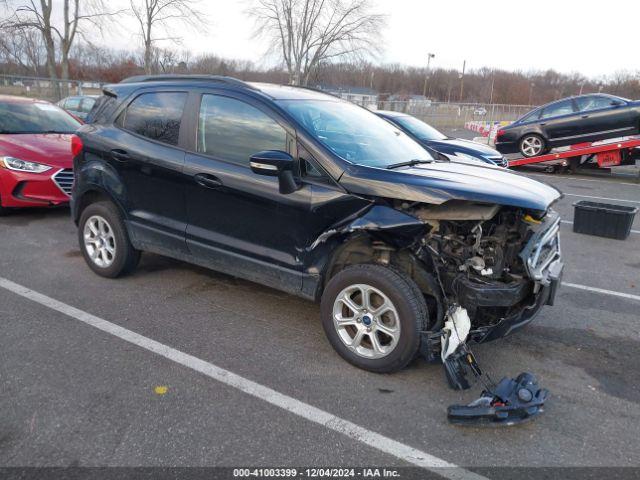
<point>600,119</point>
<point>238,221</point>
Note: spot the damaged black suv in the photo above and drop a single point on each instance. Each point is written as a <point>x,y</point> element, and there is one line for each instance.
<point>318,197</point>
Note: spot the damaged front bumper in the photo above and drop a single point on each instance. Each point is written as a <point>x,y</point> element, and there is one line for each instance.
<point>524,297</point>
<point>545,296</point>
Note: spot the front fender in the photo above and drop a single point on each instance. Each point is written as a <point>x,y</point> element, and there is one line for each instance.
<point>397,225</point>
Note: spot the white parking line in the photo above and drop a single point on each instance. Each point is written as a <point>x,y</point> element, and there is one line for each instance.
<point>601,198</point>
<point>328,420</point>
<point>569,222</point>
<point>601,290</point>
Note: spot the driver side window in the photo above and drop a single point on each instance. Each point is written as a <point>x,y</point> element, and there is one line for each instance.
<point>233,130</point>
<point>594,102</point>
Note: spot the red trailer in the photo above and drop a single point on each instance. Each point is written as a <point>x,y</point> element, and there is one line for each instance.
<point>605,153</point>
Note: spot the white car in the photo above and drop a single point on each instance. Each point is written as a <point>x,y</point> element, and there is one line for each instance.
<point>480,111</point>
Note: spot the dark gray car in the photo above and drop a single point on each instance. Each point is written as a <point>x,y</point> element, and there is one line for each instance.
<point>586,118</point>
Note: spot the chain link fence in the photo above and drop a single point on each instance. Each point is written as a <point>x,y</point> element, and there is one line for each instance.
<point>456,115</point>
<point>46,88</point>
<point>438,114</point>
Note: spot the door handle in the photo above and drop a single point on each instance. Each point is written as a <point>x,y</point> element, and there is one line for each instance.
<point>120,155</point>
<point>542,124</point>
<point>207,181</point>
<point>585,116</point>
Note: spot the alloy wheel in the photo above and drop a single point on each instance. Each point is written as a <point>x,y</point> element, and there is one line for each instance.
<point>99,241</point>
<point>532,146</point>
<point>366,321</point>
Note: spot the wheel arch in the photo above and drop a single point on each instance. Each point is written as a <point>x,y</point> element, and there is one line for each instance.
<point>91,195</point>
<point>366,248</point>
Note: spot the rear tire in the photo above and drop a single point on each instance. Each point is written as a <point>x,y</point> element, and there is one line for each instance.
<point>532,145</point>
<point>104,241</point>
<point>380,330</point>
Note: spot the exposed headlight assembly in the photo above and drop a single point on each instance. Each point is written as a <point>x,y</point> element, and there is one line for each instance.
<point>18,165</point>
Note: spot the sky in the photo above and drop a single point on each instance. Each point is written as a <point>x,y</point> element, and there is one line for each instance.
<point>589,36</point>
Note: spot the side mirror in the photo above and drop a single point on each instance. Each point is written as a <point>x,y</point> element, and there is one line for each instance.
<point>616,103</point>
<point>275,163</point>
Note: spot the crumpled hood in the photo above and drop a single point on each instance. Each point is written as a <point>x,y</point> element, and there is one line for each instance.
<point>441,181</point>
<point>52,149</point>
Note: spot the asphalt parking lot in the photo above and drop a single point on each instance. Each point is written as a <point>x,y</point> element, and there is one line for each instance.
<point>73,394</point>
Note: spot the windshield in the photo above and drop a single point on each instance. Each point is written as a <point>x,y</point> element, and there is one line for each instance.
<point>35,117</point>
<point>355,134</point>
<point>418,128</point>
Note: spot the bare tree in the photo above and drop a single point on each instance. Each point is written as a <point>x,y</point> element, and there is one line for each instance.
<point>308,33</point>
<point>24,48</point>
<point>31,14</point>
<point>163,15</point>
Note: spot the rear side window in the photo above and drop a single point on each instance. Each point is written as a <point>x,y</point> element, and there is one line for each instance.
<point>557,109</point>
<point>156,116</point>
<point>535,115</point>
<point>233,130</point>
<point>103,109</point>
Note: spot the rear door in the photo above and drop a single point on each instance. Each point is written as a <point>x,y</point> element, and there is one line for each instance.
<point>144,147</point>
<point>560,121</point>
<point>601,119</point>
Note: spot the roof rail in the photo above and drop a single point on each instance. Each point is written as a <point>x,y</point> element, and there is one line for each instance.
<point>317,89</point>
<point>202,78</point>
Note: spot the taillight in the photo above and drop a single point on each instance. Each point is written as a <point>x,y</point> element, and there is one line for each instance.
<point>76,145</point>
<point>500,133</point>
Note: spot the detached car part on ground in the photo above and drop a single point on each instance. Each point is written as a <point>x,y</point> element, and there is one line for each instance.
<point>348,211</point>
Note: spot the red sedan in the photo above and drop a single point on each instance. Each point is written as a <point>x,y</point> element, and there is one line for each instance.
<point>36,163</point>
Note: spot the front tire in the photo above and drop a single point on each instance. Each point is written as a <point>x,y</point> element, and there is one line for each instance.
<point>532,145</point>
<point>373,317</point>
<point>104,241</point>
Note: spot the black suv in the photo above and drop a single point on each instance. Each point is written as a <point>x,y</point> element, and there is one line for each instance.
<point>306,193</point>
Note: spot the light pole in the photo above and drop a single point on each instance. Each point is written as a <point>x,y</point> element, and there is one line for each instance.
<point>531,92</point>
<point>426,77</point>
<point>493,80</point>
<point>464,65</point>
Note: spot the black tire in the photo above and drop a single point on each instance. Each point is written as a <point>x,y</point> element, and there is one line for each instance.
<point>126,257</point>
<point>407,300</point>
<point>534,137</point>
<point>574,164</point>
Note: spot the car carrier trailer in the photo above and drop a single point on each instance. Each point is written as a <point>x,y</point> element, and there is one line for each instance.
<point>606,154</point>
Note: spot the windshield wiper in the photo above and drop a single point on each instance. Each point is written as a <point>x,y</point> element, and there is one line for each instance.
<point>410,163</point>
